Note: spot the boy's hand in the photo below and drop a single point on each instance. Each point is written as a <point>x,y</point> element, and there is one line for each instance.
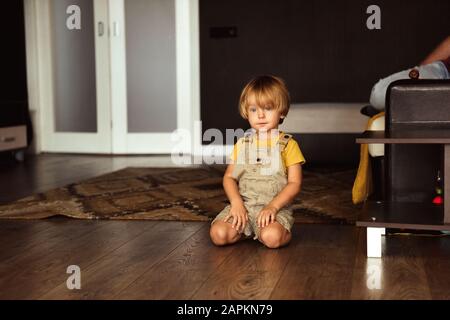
<point>266,216</point>
<point>240,216</point>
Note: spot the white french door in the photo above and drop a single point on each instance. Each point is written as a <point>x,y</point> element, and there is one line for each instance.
<point>124,81</point>
<point>73,53</point>
<point>154,61</point>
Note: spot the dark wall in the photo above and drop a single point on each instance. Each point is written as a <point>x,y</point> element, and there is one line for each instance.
<point>13,83</point>
<point>12,54</point>
<point>322,48</point>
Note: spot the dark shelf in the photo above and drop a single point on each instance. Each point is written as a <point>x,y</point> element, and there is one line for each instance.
<point>418,216</point>
<point>431,136</point>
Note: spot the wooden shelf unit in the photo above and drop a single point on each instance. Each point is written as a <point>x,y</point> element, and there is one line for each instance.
<point>401,215</point>
<point>416,140</point>
<point>386,212</point>
<point>420,136</point>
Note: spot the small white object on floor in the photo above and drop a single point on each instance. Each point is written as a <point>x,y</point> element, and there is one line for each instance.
<point>374,242</point>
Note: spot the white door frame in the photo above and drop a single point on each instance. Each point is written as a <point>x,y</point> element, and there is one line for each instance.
<point>41,54</point>
<point>187,82</point>
<point>117,140</point>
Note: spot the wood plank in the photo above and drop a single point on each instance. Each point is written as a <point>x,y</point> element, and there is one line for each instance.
<point>110,274</point>
<point>182,272</point>
<point>405,136</point>
<point>16,235</point>
<point>326,235</point>
<point>399,274</point>
<point>31,275</point>
<point>251,273</point>
<point>30,238</point>
<point>402,215</point>
<point>320,268</point>
<point>10,227</point>
<point>435,253</point>
<point>38,252</point>
<point>48,171</point>
<point>447,184</point>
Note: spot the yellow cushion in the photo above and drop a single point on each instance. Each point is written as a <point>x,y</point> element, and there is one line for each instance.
<point>362,186</point>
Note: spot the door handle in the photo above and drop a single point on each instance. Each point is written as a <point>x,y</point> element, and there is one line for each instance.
<point>101,29</point>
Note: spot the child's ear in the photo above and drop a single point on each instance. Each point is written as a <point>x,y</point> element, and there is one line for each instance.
<point>281,119</point>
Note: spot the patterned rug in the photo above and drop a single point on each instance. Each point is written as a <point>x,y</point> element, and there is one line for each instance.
<point>188,194</point>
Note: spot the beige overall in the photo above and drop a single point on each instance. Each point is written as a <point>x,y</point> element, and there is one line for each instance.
<point>261,175</point>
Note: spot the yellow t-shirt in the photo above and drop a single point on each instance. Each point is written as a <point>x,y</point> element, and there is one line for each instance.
<point>290,155</point>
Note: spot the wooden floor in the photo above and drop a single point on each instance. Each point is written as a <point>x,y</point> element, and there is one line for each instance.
<point>176,260</point>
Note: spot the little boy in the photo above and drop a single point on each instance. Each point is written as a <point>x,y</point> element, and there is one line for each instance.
<point>264,174</point>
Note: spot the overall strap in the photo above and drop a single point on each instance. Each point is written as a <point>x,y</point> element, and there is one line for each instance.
<point>248,144</point>
<point>248,136</point>
<point>247,141</point>
<point>283,140</point>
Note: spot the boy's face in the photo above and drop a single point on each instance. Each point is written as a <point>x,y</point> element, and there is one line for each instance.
<point>262,118</point>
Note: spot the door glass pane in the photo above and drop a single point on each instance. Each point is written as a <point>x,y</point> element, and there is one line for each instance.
<point>74,66</point>
<point>151,65</point>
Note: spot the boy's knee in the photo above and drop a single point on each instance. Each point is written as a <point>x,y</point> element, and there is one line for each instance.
<point>220,235</point>
<point>272,238</point>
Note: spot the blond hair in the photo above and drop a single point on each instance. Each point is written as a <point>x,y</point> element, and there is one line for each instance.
<point>268,91</point>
